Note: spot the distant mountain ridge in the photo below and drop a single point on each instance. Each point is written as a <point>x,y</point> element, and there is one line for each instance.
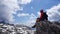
<point>27,29</point>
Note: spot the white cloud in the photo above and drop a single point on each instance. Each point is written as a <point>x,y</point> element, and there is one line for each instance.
<point>24,1</point>
<point>31,21</point>
<point>54,13</point>
<point>7,8</point>
<point>23,14</point>
<point>10,7</point>
<point>38,14</point>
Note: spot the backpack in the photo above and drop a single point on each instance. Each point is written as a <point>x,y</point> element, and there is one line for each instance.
<point>45,16</point>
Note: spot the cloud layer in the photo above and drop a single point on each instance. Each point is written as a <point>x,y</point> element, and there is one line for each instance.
<point>23,14</point>
<point>10,7</point>
<point>7,8</point>
<point>24,1</point>
<point>31,18</point>
<point>54,13</point>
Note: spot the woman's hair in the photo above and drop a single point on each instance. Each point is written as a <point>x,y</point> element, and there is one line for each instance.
<point>41,10</point>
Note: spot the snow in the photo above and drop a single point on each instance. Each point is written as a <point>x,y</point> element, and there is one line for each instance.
<point>14,29</point>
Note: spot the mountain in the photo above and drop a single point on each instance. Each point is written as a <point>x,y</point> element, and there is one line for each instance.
<point>6,28</point>
<point>23,29</point>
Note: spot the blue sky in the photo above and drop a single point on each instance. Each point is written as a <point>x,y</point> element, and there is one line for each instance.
<point>35,6</point>
<point>26,11</point>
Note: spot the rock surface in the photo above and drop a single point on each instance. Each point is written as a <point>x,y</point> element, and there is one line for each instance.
<point>48,27</point>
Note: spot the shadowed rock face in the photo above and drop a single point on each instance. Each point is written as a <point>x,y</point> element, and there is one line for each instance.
<point>48,26</point>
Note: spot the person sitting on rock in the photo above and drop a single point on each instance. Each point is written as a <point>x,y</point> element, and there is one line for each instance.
<point>43,15</point>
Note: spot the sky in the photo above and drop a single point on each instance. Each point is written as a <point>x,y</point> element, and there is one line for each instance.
<point>26,11</point>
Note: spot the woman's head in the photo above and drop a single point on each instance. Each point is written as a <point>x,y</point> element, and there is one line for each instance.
<point>41,10</point>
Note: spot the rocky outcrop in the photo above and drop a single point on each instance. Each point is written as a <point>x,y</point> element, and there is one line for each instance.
<point>47,26</point>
